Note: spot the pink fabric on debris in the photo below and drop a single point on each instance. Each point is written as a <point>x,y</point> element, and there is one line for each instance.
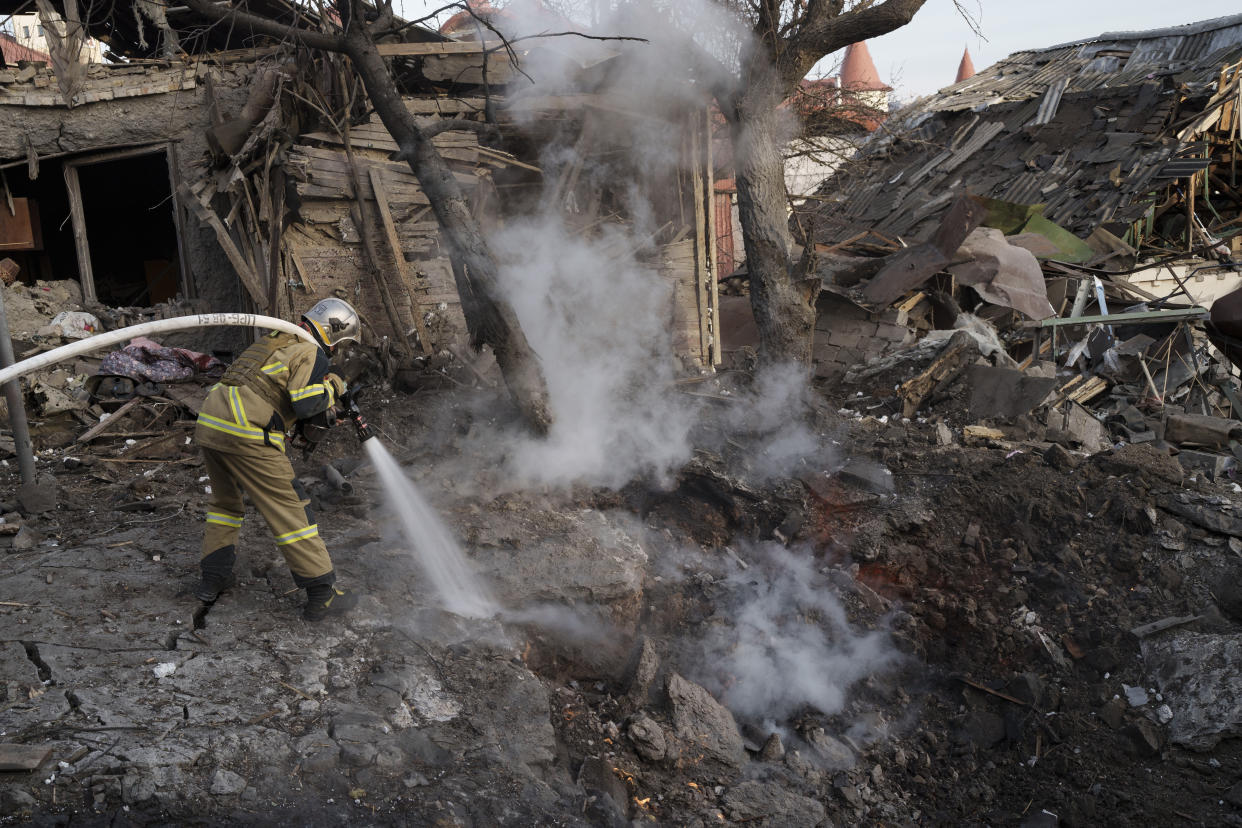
<point>145,360</point>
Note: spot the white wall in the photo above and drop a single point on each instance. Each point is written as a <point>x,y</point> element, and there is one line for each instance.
<point>28,30</point>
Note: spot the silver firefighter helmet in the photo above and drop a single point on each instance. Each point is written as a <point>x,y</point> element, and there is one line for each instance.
<point>333,321</point>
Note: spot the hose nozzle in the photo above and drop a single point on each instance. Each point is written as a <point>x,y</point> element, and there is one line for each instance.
<point>361,427</point>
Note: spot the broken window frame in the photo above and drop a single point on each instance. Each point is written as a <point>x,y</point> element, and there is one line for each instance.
<point>77,213</point>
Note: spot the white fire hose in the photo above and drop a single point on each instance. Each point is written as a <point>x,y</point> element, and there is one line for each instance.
<point>177,323</point>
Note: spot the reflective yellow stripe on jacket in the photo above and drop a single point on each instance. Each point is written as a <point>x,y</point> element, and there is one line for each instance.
<point>312,390</point>
<point>240,427</point>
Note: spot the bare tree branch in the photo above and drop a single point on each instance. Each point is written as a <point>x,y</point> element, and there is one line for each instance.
<point>825,32</point>
<point>266,26</point>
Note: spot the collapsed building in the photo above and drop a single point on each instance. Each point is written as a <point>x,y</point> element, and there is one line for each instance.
<point>206,168</point>
<point>1080,202</point>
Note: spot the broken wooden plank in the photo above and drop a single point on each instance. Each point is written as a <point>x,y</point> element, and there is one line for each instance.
<point>98,429</point>
<point>403,268</point>
<point>469,68</point>
<point>22,757</point>
<point>1089,390</point>
<point>982,432</point>
<point>1144,630</point>
<point>960,352</point>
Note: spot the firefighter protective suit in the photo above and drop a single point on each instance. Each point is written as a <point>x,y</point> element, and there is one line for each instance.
<point>241,431</point>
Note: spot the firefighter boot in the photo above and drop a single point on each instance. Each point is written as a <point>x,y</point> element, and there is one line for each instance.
<point>217,574</point>
<point>324,600</point>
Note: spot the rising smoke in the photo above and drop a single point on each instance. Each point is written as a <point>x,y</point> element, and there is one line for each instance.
<point>782,642</point>
<point>597,309</point>
<point>593,301</point>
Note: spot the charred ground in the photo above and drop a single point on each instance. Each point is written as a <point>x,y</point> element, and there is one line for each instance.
<point>1007,577</point>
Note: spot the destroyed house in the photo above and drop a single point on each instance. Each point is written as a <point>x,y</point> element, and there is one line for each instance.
<point>1114,152</point>
<point>203,167</point>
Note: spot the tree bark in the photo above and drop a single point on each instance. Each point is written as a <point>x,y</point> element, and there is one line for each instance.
<point>784,313</point>
<point>772,68</point>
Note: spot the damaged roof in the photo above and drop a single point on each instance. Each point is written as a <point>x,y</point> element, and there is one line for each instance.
<point>145,29</point>
<point>1084,128</point>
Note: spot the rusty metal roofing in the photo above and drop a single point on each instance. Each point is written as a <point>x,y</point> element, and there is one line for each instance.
<point>1082,127</point>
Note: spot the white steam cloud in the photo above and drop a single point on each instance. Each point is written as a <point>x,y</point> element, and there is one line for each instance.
<point>599,323</point>
<point>784,642</point>
<point>589,293</point>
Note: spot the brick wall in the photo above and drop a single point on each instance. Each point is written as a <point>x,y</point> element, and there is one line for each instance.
<point>846,335</point>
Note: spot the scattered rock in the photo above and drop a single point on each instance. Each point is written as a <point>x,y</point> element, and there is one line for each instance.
<point>26,538</point>
<point>867,475</point>
<point>42,495</point>
<point>1114,713</point>
<point>770,804</point>
<point>983,728</point>
<point>644,675</point>
<point>773,749</point>
<point>648,738</point>
<point>1145,738</point>
<point>1200,677</point>
<point>1060,458</point>
<point>596,777</point>
<point>850,794</point>
<point>702,721</point>
<point>1228,592</point>
<point>834,752</point>
<point>14,800</point>
<point>226,783</point>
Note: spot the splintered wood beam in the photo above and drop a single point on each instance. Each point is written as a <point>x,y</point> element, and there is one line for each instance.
<point>250,279</point>
<point>960,352</point>
<point>403,267</point>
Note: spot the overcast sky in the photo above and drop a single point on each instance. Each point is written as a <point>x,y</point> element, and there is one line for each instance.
<point>923,57</point>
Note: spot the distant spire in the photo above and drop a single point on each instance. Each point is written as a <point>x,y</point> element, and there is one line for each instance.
<point>858,70</point>
<point>965,69</point>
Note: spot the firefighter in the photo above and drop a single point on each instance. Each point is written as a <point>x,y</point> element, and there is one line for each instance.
<point>277,382</point>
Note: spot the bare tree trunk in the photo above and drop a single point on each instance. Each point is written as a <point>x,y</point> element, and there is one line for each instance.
<point>784,313</point>
<point>488,315</point>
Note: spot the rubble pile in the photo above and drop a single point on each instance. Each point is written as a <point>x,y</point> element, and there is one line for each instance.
<point>1001,364</point>
<point>926,630</point>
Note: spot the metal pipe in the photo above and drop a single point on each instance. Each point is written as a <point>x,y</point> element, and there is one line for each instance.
<point>17,405</point>
<point>177,323</point>
<point>336,479</point>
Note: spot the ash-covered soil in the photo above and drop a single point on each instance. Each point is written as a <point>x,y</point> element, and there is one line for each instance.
<point>895,632</point>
